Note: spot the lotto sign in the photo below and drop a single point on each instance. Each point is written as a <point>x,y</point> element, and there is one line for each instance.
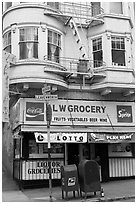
<point>61,137</point>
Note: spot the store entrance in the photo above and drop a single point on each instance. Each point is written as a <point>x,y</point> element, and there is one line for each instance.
<point>101,155</point>
<point>73,153</point>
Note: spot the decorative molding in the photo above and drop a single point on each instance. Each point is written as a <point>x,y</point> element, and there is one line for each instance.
<point>43,27</point>
<point>108,34</point>
<point>13,27</point>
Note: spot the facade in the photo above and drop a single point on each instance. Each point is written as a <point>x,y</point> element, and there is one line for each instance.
<point>79,57</point>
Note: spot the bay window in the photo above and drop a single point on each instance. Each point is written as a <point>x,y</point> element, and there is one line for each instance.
<point>54,46</point>
<point>97,52</point>
<point>7,42</point>
<point>28,44</point>
<point>118,51</point>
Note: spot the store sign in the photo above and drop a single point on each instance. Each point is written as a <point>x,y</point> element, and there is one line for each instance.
<point>124,114</point>
<point>80,113</point>
<point>34,111</point>
<point>39,170</point>
<point>61,137</point>
<point>111,138</point>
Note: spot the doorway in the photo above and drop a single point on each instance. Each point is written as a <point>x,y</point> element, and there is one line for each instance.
<point>73,153</point>
<point>101,155</point>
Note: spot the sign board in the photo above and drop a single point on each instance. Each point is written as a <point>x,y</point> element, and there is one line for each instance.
<point>77,113</point>
<point>61,137</point>
<point>124,114</point>
<point>39,170</point>
<point>46,97</point>
<point>120,150</point>
<point>50,97</point>
<point>111,138</point>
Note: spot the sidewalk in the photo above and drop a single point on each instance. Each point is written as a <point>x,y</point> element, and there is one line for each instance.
<point>114,191</point>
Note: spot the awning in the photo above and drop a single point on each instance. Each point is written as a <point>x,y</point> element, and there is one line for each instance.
<point>95,129</point>
<point>111,137</point>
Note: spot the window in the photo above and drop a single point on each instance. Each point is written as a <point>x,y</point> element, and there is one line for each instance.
<point>54,46</point>
<point>8,5</point>
<point>7,42</point>
<point>95,8</point>
<point>97,52</point>
<point>116,7</point>
<point>28,44</point>
<point>118,51</point>
<point>53,4</point>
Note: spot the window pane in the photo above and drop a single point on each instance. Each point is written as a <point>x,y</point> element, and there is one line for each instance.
<point>95,8</point>
<point>28,42</point>
<point>118,51</point>
<point>7,42</point>
<point>21,34</point>
<point>116,7</point>
<point>118,57</point>
<point>50,36</point>
<point>35,50</point>
<point>55,38</point>
<point>54,46</point>
<point>23,51</point>
<point>29,34</point>
<point>8,4</point>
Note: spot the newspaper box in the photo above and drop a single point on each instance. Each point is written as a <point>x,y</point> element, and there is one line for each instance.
<point>89,178</point>
<point>69,179</point>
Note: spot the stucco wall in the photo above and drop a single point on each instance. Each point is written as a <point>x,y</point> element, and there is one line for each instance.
<point>7,147</point>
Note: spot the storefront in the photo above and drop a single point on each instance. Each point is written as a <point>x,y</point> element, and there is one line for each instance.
<point>99,130</point>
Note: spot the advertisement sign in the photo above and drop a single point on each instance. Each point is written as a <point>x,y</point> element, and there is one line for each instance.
<point>36,170</point>
<point>78,113</point>
<point>61,137</point>
<point>120,150</point>
<point>111,138</point>
<point>34,111</point>
<point>124,114</point>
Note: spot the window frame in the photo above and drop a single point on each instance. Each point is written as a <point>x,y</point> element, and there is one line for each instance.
<point>35,42</point>
<point>97,63</point>
<point>119,47</point>
<point>7,42</point>
<point>122,9</point>
<point>95,8</point>
<point>55,43</point>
